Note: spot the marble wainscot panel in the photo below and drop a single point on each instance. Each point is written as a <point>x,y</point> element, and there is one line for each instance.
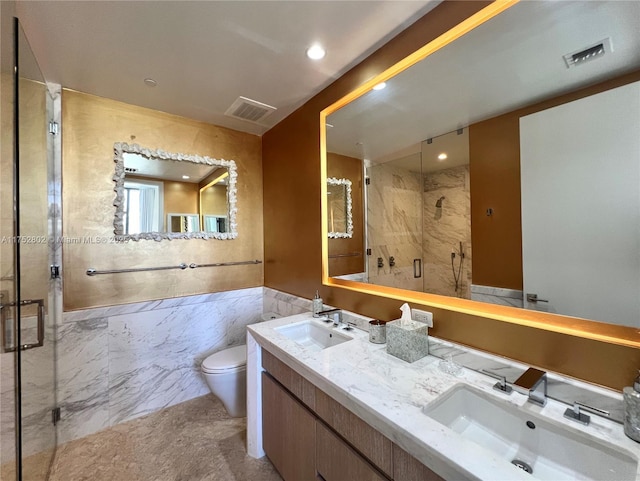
<point>7,408</point>
<point>285,304</point>
<point>121,362</point>
<point>497,295</point>
<point>38,391</point>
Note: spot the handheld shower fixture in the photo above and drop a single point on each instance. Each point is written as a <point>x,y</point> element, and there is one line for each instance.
<point>439,202</point>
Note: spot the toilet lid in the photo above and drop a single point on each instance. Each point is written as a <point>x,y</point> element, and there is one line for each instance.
<point>231,358</point>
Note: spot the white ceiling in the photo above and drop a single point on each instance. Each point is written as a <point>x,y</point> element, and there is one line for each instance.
<point>204,54</point>
<point>513,60</point>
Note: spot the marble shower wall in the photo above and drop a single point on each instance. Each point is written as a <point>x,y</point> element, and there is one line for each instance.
<point>444,228</point>
<point>394,226</point>
<point>120,362</point>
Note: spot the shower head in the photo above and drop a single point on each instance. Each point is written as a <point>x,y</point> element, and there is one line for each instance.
<point>439,202</point>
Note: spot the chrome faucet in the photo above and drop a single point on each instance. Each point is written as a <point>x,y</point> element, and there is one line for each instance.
<point>575,413</point>
<point>336,313</point>
<point>501,385</point>
<point>533,383</point>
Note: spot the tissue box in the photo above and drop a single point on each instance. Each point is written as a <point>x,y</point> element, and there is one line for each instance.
<point>407,340</point>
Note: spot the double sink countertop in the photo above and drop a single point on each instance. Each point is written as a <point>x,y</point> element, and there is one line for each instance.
<point>391,395</point>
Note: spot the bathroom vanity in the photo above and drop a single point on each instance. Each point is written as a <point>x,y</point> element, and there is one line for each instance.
<point>334,410</point>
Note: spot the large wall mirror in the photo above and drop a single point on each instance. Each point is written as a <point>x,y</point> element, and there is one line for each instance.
<point>503,168</point>
<point>163,195</point>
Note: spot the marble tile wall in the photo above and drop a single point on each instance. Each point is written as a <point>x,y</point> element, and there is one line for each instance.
<point>284,304</point>
<point>394,226</point>
<point>121,362</point>
<point>444,228</point>
<point>497,295</point>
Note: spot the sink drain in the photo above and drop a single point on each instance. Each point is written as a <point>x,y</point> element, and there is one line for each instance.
<point>522,465</point>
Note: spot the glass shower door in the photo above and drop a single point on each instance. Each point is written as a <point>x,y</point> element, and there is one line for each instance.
<point>394,223</point>
<point>33,311</point>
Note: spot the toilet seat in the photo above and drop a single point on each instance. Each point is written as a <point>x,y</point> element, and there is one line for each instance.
<point>228,360</point>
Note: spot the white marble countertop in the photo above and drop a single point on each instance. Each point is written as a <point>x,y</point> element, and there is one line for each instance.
<point>390,394</point>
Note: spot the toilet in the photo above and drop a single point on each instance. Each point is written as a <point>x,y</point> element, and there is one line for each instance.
<point>226,375</point>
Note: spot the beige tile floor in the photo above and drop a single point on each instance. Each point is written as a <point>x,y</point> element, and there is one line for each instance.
<point>192,441</point>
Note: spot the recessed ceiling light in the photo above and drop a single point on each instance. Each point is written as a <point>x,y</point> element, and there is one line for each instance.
<point>316,52</point>
<point>442,156</point>
<point>185,177</point>
<point>149,82</point>
<point>380,86</point>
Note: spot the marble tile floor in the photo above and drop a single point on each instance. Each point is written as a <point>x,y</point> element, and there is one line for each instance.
<point>193,441</point>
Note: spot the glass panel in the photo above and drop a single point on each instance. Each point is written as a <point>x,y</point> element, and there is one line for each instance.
<point>447,215</point>
<point>394,222</point>
<point>7,268</point>
<point>36,323</point>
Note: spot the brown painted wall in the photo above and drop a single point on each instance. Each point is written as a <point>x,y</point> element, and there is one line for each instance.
<point>91,125</point>
<point>180,198</point>
<point>291,162</point>
<point>494,150</point>
<point>343,167</point>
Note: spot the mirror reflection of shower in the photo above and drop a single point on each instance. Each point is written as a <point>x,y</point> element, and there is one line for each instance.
<point>457,277</point>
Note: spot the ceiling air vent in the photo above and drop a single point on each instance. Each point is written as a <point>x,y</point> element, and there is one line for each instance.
<point>589,53</point>
<point>251,110</point>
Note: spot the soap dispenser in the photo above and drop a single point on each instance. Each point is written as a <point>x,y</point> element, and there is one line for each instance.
<point>632,410</point>
<point>317,305</point>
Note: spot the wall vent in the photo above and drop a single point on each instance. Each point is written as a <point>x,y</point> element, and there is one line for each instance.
<point>592,52</point>
<point>251,110</point>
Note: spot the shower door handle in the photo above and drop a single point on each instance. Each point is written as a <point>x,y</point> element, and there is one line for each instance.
<point>417,268</point>
<point>7,344</point>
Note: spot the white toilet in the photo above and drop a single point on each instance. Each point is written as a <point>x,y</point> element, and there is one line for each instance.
<point>226,374</point>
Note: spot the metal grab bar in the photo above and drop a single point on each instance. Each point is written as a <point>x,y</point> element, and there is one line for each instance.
<point>93,272</point>
<point>222,264</point>
<point>350,254</point>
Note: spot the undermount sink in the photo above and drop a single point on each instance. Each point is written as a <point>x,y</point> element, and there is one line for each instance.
<point>312,335</point>
<point>548,451</point>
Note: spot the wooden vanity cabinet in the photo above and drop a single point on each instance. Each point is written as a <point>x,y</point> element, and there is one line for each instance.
<point>337,461</point>
<point>289,433</point>
<point>408,468</point>
<point>308,435</point>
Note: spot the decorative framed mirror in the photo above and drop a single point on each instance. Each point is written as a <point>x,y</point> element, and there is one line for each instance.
<point>339,205</point>
<point>164,195</point>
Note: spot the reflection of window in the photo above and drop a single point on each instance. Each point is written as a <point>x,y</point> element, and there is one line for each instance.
<point>214,223</point>
<point>142,206</point>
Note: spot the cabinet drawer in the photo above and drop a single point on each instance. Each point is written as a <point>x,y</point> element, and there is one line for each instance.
<point>294,382</point>
<point>372,444</point>
<point>408,468</point>
<point>337,461</point>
